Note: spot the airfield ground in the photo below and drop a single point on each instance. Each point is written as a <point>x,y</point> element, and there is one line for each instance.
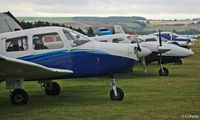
<point>175,97</point>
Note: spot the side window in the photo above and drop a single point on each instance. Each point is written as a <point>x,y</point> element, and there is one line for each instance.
<point>17,44</point>
<point>47,41</point>
<point>150,39</point>
<point>117,40</point>
<point>103,40</point>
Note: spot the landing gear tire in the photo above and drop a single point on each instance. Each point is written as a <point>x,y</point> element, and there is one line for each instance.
<point>52,88</point>
<point>163,72</point>
<point>120,95</point>
<point>19,97</point>
<point>179,62</point>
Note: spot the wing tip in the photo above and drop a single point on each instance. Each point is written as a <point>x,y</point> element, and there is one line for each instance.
<point>2,58</point>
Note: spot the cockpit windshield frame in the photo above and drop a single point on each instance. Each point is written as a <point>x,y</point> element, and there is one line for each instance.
<point>76,39</point>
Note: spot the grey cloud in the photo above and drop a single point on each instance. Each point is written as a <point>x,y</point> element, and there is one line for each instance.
<point>101,7</point>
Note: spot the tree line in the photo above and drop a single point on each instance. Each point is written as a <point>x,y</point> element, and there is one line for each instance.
<point>28,25</point>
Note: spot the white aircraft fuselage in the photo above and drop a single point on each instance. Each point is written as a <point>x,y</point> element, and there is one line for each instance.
<point>57,47</point>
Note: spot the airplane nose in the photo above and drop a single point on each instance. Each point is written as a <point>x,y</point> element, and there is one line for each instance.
<point>186,52</point>
<point>193,40</point>
<point>144,52</point>
<point>190,53</point>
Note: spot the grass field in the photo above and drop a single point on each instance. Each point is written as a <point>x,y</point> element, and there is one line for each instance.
<point>163,27</point>
<point>147,97</point>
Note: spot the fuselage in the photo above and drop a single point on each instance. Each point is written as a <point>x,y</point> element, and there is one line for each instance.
<point>62,48</point>
<point>173,54</point>
<point>176,39</point>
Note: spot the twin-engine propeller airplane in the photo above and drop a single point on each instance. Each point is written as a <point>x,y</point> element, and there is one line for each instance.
<point>183,41</point>
<point>162,52</point>
<point>48,53</point>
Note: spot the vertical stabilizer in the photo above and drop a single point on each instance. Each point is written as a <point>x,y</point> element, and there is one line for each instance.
<point>8,22</point>
<point>118,29</point>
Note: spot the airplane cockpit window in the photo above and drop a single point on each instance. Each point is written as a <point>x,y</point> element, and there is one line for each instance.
<point>137,40</point>
<point>150,39</point>
<point>17,44</point>
<point>103,40</point>
<point>117,40</point>
<point>75,39</point>
<point>47,41</point>
<point>174,35</point>
<point>131,38</point>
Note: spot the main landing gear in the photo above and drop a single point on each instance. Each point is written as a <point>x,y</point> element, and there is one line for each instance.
<point>51,88</point>
<point>116,94</point>
<point>19,97</point>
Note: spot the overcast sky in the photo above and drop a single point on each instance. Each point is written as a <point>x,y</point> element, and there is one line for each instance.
<point>151,9</point>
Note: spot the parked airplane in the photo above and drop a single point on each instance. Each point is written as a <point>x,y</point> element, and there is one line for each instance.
<point>175,54</point>
<point>47,53</point>
<point>170,53</point>
<point>177,39</point>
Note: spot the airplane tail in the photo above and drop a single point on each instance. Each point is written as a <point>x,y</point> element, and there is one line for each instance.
<point>8,23</point>
<point>118,29</point>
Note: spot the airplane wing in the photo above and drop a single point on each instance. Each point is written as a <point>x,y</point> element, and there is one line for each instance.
<point>11,67</point>
<point>162,49</point>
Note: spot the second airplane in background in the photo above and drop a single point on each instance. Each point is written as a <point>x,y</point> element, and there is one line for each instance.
<point>162,52</point>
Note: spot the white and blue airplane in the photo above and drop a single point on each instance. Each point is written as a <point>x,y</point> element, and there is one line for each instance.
<point>183,41</point>
<point>170,53</point>
<point>174,55</point>
<point>49,53</point>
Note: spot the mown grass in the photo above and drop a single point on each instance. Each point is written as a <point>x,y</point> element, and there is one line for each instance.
<point>147,97</point>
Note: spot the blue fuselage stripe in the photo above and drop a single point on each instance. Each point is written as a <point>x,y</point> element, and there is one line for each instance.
<point>83,62</point>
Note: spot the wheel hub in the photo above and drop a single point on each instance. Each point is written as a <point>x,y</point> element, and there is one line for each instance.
<point>19,98</point>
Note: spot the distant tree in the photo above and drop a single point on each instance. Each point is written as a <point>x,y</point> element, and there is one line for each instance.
<point>62,25</point>
<point>90,32</point>
<point>26,25</point>
<point>55,24</point>
<point>70,27</point>
<point>113,31</point>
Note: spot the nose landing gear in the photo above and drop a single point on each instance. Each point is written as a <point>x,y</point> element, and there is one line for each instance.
<point>163,71</point>
<point>116,94</point>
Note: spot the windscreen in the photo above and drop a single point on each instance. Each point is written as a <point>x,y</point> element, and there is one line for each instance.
<point>75,38</point>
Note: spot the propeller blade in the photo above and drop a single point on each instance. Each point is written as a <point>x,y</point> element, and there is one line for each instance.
<point>138,47</point>
<point>188,41</point>
<point>160,40</point>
